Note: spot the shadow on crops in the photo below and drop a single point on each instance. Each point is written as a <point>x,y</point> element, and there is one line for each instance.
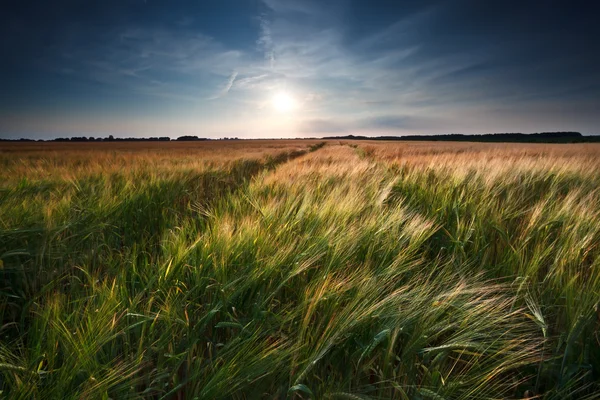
<point>37,259</point>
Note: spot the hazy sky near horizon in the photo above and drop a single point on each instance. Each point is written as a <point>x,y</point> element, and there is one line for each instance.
<point>295,68</point>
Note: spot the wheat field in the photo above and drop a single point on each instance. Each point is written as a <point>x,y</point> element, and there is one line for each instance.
<point>299,269</point>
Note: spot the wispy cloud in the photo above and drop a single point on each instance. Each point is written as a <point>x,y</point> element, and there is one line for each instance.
<point>161,63</point>
<point>265,41</point>
<point>227,87</point>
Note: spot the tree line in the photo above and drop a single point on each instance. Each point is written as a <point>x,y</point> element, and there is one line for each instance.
<point>111,138</point>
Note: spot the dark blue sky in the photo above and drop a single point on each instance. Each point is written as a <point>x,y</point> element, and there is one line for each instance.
<point>213,67</point>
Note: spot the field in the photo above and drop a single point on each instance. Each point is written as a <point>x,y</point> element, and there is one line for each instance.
<point>299,269</point>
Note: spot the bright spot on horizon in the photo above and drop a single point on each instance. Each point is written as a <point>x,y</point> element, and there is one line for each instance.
<point>283,102</point>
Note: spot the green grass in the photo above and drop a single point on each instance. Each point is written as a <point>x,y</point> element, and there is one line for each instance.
<point>334,274</point>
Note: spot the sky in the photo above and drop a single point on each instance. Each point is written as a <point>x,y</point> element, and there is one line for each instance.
<point>297,68</point>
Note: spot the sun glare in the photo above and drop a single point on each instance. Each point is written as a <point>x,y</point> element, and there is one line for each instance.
<point>283,102</point>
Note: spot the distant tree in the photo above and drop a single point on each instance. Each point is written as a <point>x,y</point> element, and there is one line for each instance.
<point>189,138</point>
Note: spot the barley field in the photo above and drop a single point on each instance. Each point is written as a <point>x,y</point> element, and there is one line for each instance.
<point>299,270</point>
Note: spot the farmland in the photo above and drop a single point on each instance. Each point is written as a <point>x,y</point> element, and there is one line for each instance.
<point>299,269</point>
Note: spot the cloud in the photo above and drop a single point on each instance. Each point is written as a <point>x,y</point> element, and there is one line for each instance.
<point>230,81</point>
<point>253,81</point>
<point>160,63</point>
<point>376,125</point>
<point>395,67</point>
<point>321,126</point>
<point>422,63</point>
<point>265,41</point>
<point>306,7</point>
<point>227,87</point>
<point>404,122</point>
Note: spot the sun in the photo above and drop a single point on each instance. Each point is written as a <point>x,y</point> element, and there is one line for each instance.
<point>283,102</point>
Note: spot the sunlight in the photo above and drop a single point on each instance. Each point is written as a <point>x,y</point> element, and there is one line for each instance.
<point>283,102</point>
